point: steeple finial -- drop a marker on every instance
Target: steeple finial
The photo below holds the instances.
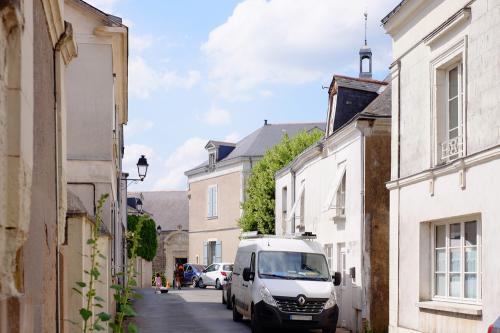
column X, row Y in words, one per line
column 366, row 19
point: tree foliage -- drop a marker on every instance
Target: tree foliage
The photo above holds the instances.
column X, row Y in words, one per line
column 148, row 241
column 258, row 208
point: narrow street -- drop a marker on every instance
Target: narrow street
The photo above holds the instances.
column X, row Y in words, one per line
column 188, row 310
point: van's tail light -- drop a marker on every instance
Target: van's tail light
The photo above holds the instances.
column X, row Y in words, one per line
column 490, row 329
column 223, row 273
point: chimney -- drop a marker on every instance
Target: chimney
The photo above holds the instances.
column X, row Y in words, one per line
column 265, row 122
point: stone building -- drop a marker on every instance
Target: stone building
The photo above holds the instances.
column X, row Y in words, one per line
column 336, row 190
column 169, row 209
column 217, row 189
column 37, row 132
column 37, row 45
column 444, row 186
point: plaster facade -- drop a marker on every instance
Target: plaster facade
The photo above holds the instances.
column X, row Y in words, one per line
column 224, row 227
column 427, row 190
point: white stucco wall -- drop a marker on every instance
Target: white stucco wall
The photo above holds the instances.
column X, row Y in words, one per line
column 425, row 193
column 319, row 174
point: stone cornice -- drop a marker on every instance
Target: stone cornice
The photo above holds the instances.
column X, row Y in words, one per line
column 478, row 158
column 119, row 38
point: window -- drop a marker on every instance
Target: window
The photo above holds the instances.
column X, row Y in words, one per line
column 211, row 160
column 284, row 204
column 328, row 248
column 448, row 86
column 212, row 201
column 456, row 271
column 340, row 204
column 452, row 146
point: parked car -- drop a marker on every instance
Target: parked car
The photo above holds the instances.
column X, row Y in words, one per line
column 290, row 284
column 226, row 291
column 192, row 273
column 495, row 327
column 214, row 275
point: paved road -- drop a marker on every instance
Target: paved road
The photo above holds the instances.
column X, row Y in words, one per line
column 186, row 311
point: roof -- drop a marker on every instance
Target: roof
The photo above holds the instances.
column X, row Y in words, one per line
column 220, row 143
column 258, row 142
column 111, row 19
column 283, row 244
column 393, row 12
column 358, row 83
column 169, row 209
column 380, row 106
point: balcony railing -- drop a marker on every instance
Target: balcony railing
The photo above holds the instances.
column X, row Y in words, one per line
column 452, row 149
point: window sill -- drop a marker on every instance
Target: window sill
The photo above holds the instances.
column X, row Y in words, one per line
column 338, row 219
column 460, row 308
column 212, row 217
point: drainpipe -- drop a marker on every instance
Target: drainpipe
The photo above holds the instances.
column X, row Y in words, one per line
column 56, row 59
column 292, row 189
column 364, row 281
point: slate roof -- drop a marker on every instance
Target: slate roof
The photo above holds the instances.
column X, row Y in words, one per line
column 380, row 106
column 169, row 209
column 358, row 83
column 258, row 142
column 393, row 12
column 220, row 143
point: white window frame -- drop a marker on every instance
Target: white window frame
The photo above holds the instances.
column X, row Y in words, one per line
column 212, row 208
column 439, row 70
column 340, row 196
column 461, row 299
column 328, row 249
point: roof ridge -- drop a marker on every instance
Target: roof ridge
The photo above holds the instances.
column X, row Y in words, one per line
column 360, row 79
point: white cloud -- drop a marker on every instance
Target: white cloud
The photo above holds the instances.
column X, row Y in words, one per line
column 140, row 43
column 188, row 155
column 106, row 6
column 292, row 42
column 216, row 116
column 136, row 126
column 232, row 137
column 143, row 79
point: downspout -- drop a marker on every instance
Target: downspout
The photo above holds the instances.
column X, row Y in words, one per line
column 364, row 281
column 292, row 189
column 55, row 71
column 399, row 176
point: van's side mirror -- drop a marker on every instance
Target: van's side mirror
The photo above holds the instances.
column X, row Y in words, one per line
column 337, row 278
column 247, row 274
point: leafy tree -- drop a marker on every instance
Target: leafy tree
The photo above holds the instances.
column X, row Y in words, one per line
column 258, row 208
column 148, row 241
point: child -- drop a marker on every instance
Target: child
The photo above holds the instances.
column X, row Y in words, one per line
column 158, row 283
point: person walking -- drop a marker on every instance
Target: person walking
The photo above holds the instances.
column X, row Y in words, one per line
column 158, row 283
column 179, row 275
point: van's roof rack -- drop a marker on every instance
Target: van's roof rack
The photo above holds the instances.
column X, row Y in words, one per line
column 257, row 235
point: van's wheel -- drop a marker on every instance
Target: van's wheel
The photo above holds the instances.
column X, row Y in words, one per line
column 218, row 285
column 201, row 284
column 236, row 315
column 194, row 283
column 256, row 326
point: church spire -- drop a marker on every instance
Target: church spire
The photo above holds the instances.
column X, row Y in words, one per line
column 365, row 56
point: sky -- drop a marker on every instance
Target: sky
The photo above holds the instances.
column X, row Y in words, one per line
column 215, row 69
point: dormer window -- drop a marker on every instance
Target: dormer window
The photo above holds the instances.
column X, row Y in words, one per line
column 211, row 160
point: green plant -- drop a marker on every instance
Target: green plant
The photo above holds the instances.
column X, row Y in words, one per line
column 149, row 242
column 258, row 208
column 124, row 292
column 93, row 301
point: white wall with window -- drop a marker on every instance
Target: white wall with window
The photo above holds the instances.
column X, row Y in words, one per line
column 212, row 201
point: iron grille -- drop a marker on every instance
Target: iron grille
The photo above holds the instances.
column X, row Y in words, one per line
column 290, row 305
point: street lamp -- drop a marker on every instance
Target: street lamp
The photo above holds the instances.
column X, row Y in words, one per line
column 158, row 229
column 138, row 205
column 142, row 167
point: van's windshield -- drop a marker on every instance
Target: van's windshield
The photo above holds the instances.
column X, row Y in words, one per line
column 292, row 266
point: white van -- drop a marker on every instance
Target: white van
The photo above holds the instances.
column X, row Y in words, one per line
column 284, row 282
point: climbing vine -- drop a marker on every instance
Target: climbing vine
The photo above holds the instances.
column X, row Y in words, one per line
column 93, row 322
